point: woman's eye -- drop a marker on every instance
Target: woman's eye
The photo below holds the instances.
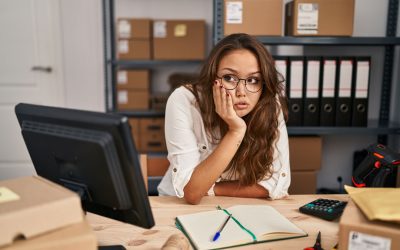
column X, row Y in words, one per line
column 252, row 80
column 229, row 78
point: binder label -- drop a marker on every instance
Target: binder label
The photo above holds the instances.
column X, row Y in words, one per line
column 328, row 83
column 312, row 89
column 346, row 68
column 362, row 79
column 296, row 79
column 307, row 19
column 234, row 12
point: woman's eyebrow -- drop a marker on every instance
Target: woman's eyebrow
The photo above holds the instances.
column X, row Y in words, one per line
column 234, row 71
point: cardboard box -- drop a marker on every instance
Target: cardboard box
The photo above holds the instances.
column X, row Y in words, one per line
column 179, row 39
column 254, row 17
column 135, row 130
column 74, row 237
column 159, row 101
column 30, row 206
column 303, row 182
column 128, row 99
column 357, row 232
column 152, row 137
column 133, row 28
column 320, row 18
column 305, row 153
column 134, row 49
column 157, row 165
column 133, row 79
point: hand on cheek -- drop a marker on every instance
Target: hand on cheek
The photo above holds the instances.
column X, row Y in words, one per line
column 224, row 108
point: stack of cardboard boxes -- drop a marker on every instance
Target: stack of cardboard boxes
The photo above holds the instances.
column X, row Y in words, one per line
column 305, row 161
column 134, row 39
column 133, row 87
column 148, row 134
column 38, row 214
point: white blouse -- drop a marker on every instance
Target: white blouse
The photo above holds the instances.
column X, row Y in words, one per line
column 188, row 145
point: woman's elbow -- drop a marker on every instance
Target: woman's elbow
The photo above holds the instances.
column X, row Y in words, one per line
column 192, row 198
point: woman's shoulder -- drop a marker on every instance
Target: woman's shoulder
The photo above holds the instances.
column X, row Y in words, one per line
column 182, row 93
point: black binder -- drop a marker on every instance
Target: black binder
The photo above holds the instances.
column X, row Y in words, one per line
column 328, row 105
column 361, row 91
column 311, row 91
column 295, row 91
column 344, row 92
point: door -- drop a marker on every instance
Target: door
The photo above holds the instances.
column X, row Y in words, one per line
column 30, row 72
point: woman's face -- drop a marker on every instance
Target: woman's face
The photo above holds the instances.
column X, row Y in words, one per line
column 241, row 64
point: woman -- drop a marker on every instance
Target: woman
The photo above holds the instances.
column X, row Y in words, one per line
column 226, row 133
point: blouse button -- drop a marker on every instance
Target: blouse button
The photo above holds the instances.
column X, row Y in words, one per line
column 204, row 147
column 174, row 169
column 283, row 174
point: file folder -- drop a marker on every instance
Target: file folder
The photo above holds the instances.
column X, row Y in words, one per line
column 295, row 91
column 361, row 92
column 344, row 92
column 327, row 107
column 281, row 66
column 311, row 91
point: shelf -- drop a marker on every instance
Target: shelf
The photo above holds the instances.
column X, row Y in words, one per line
column 153, row 63
column 329, row 41
column 372, row 129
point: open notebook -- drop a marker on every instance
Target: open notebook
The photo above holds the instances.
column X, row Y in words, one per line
column 249, row 224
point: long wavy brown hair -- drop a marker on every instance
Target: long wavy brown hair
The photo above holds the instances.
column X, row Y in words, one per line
column 253, row 160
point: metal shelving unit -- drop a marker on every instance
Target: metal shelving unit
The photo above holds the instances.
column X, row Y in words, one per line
column 381, row 127
column 111, row 63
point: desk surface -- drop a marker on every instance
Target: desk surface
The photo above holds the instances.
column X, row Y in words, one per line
column 165, row 209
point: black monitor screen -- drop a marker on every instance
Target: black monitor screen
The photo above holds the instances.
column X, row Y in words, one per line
column 91, row 153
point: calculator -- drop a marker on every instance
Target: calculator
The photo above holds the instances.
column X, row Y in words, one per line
column 324, row 208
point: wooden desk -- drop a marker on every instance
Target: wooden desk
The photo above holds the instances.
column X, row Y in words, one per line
column 165, row 209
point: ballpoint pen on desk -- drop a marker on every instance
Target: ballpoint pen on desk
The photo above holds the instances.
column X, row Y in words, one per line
column 317, row 245
column 217, row 234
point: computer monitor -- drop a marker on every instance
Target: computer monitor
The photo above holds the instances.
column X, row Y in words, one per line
column 91, row 153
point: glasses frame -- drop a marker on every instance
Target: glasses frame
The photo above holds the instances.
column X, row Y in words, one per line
column 237, row 83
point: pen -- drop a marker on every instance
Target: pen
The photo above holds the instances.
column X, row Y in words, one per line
column 217, row 234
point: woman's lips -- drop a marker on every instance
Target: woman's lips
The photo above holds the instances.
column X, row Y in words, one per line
column 241, row 105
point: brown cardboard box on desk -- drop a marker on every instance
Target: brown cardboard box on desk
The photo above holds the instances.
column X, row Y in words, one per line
column 357, row 232
column 38, row 214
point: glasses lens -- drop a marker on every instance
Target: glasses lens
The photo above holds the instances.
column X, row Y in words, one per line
column 253, row 84
column 229, row 81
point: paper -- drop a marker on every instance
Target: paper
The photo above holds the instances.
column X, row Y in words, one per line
column 377, row 203
column 234, row 12
column 307, row 19
column 6, row 195
column 180, row 30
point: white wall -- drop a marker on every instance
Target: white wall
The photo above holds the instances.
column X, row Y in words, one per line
column 82, row 31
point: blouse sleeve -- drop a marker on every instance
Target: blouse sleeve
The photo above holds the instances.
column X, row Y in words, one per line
column 279, row 182
column 181, row 141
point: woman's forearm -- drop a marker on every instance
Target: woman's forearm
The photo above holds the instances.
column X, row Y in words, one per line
column 232, row 188
column 209, row 170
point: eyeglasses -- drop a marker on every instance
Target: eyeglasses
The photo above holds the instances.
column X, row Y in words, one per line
column 230, row 82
